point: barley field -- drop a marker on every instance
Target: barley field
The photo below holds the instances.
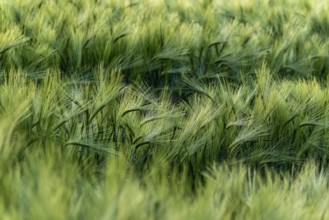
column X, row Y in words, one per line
column 164, row 109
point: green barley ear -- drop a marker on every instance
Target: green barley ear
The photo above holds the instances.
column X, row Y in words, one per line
column 15, row 114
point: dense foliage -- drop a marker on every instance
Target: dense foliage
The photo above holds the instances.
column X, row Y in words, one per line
column 164, row 109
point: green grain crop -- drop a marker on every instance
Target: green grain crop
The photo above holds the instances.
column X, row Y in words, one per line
column 164, row 109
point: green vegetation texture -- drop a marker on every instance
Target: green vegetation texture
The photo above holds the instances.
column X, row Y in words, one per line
column 164, row 109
